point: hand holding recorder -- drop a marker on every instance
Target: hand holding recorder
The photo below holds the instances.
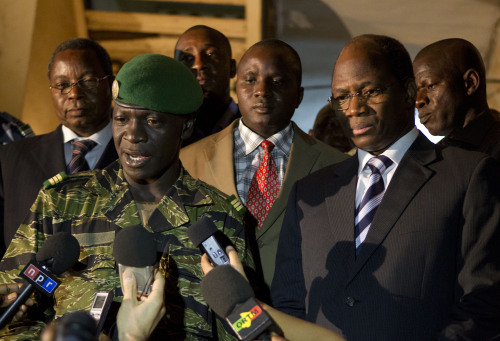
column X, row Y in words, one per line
column 235, row 290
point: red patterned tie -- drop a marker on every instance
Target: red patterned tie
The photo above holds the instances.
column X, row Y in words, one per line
column 264, row 187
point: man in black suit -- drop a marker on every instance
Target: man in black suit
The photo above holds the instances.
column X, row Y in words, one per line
column 420, row 262
column 207, row 52
column 80, row 75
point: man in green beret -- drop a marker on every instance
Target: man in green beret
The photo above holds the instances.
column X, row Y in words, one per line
column 155, row 98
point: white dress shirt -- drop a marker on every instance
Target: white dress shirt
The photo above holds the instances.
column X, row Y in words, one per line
column 395, row 152
column 102, row 138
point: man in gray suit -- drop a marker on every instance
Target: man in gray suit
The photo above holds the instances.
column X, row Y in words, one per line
column 80, row 76
column 399, row 242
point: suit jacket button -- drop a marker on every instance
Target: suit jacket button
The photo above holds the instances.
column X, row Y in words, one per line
column 260, row 243
column 350, row 301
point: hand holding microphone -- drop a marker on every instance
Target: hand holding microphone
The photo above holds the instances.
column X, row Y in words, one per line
column 59, row 253
column 8, row 294
column 135, row 248
column 230, row 296
column 136, row 320
column 229, row 288
column 205, row 235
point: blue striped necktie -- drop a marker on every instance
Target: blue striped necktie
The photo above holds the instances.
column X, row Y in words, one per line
column 80, row 149
column 372, row 198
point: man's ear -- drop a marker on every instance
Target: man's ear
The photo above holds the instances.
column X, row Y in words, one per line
column 232, row 70
column 188, row 127
column 471, row 81
column 411, row 91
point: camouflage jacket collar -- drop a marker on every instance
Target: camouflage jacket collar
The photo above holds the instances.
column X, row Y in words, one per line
column 171, row 212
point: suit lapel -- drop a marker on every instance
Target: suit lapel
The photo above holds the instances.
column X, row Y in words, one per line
column 410, row 176
column 50, row 154
column 219, row 156
column 302, row 159
column 340, row 202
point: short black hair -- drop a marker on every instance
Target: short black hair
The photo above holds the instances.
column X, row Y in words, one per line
column 84, row 44
column 279, row 44
column 459, row 55
column 219, row 34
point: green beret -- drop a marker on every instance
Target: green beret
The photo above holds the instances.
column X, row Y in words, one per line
column 157, row 82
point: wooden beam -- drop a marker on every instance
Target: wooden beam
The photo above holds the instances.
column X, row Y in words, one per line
column 80, row 23
column 253, row 17
column 161, row 23
column 206, row 2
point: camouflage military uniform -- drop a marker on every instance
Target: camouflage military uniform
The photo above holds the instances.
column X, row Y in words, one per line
column 92, row 206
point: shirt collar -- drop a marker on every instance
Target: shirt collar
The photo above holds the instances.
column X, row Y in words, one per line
column 395, row 152
column 102, row 137
column 282, row 139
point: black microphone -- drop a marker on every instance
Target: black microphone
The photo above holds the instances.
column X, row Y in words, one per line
column 205, row 235
column 135, row 248
column 230, row 296
column 76, row 326
column 59, row 253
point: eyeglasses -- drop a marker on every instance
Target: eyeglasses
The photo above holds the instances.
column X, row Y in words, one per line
column 84, row 83
column 368, row 96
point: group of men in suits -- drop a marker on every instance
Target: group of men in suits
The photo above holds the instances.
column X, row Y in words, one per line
column 399, row 242
column 396, row 242
column 269, row 89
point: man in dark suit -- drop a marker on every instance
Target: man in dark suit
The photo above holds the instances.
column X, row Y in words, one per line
column 420, row 262
column 80, row 75
column 451, row 98
column 207, row 52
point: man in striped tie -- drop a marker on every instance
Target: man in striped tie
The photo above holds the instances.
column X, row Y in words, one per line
column 80, row 74
column 399, row 242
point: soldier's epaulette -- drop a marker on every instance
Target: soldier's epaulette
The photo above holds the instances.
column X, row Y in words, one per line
column 26, row 130
column 55, row 180
column 236, row 204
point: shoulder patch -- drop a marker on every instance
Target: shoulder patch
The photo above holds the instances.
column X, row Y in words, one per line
column 26, row 130
column 236, row 204
column 55, row 179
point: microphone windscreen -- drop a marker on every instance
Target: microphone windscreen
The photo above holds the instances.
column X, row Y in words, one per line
column 201, row 230
column 223, row 288
column 78, row 325
column 63, row 248
column 134, row 246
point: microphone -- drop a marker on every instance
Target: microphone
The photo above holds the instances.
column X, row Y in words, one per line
column 59, row 253
column 231, row 297
column 135, row 248
column 76, row 326
column 205, row 235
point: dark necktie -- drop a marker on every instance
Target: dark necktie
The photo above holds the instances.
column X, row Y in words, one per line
column 371, row 199
column 264, row 187
column 80, row 149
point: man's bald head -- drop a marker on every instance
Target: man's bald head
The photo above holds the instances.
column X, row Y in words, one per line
column 456, row 56
column 212, row 32
column 388, row 51
column 451, row 81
